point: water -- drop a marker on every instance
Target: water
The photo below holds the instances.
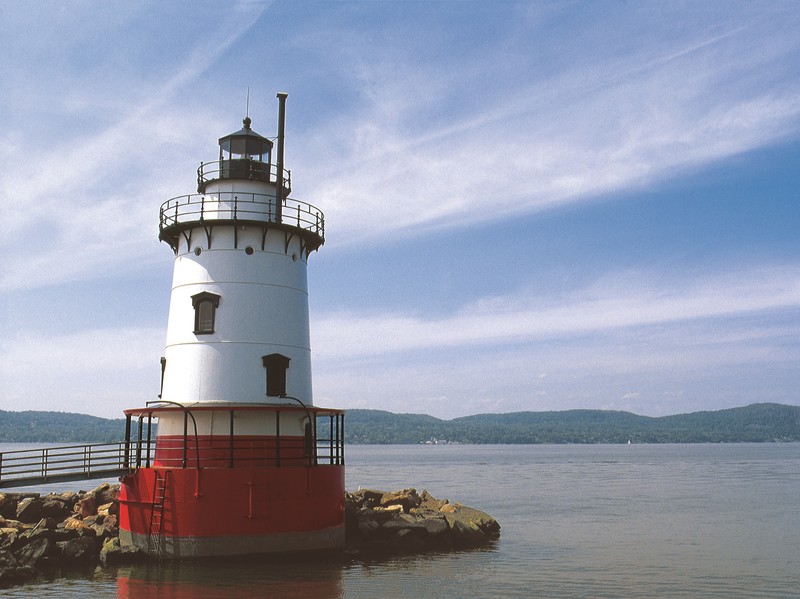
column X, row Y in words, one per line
column 578, row 521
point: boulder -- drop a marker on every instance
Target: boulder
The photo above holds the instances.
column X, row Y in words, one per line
column 436, row 525
column 10, row 501
column 7, row 507
column 105, row 493
column 403, row 521
column 80, row 549
column 8, row 538
column 407, row 498
column 112, row 553
column 55, row 507
column 38, row 552
column 367, row 497
column 105, row 528
column 429, row 502
column 469, row 521
column 29, row 510
column 87, row 506
column 12, row 571
column 70, row 498
column 406, row 521
column 78, row 527
column 110, row 508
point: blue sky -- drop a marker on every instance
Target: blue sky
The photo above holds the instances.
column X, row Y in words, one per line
column 529, row 205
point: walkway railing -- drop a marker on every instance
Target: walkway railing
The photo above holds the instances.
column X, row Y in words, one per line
column 254, row 170
column 323, row 446
column 62, row 464
column 189, row 210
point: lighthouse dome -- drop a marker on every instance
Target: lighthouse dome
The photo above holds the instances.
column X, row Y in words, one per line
column 245, row 144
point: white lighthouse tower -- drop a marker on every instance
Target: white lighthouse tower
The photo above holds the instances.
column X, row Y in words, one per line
column 238, row 321
column 237, row 429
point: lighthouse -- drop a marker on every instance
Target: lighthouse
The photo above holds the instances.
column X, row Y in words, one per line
column 233, row 457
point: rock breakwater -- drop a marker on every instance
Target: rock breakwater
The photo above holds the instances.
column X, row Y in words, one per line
column 75, row 530
column 407, row 521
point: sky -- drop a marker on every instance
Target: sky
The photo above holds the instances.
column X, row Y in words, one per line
column 529, row 205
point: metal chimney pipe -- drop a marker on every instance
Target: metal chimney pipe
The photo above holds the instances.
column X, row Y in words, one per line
column 281, row 131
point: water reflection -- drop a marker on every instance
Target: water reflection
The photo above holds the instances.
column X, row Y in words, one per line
column 234, row 578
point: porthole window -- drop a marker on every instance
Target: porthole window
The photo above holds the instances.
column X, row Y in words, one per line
column 205, row 306
column 248, row 250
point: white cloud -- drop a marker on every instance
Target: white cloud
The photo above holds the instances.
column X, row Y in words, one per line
column 611, row 303
column 673, row 367
column 97, row 372
column 90, row 197
column 604, row 124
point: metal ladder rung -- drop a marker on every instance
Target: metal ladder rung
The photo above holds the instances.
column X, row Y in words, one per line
column 154, row 544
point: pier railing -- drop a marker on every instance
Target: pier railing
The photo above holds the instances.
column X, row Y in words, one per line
column 25, row 467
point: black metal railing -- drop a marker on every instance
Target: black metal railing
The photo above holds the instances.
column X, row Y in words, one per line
column 322, row 444
column 189, row 210
column 243, row 169
column 65, row 463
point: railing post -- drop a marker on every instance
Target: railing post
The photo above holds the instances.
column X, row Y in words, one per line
column 330, row 457
column 314, row 444
column 44, row 464
column 149, row 429
column 185, row 437
column 230, row 464
column 127, row 454
column 139, row 442
column 278, row 438
column 87, row 450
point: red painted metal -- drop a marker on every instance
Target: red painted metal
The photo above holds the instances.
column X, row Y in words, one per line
column 239, row 501
column 235, row 494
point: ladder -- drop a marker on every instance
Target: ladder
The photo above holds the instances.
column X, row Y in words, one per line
column 155, row 546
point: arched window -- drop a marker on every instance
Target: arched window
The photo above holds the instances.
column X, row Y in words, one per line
column 276, row 366
column 205, row 306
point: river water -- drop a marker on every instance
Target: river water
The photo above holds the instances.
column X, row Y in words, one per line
column 578, row 521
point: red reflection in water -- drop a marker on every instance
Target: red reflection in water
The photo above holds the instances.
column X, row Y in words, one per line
column 230, row 581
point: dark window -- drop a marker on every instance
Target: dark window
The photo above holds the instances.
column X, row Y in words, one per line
column 205, row 307
column 276, row 366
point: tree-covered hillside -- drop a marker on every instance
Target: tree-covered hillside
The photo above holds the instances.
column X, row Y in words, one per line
column 58, row 427
column 755, row 423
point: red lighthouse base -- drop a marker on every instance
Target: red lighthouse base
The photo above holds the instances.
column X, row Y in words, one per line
column 229, row 495
column 233, row 511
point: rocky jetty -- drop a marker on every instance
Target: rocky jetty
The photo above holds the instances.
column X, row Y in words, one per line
column 407, row 521
column 57, row 531
column 79, row 530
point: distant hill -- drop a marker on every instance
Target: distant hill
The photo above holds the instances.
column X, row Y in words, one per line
column 58, row 427
column 765, row 422
column 755, row 423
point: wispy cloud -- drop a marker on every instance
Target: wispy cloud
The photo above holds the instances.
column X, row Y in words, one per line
column 611, row 303
column 90, row 196
column 98, row 371
column 602, row 125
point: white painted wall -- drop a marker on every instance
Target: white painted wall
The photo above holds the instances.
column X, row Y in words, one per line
column 263, row 309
